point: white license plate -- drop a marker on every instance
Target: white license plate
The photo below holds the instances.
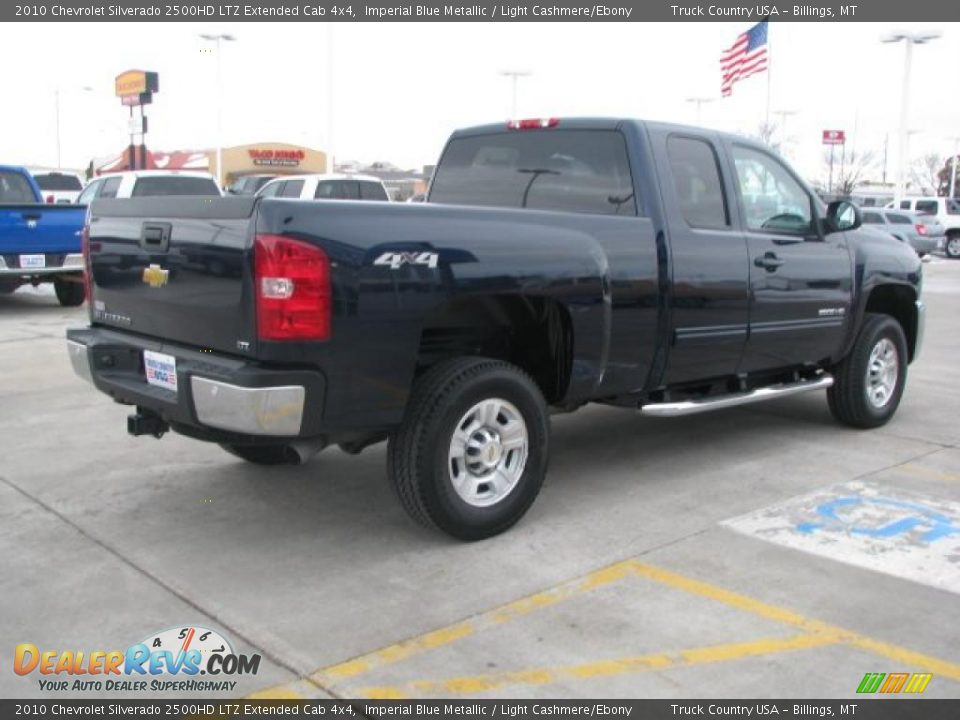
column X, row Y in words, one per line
column 33, row 261
column 161, row 369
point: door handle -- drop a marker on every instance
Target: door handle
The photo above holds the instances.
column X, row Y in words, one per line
column 768, row 261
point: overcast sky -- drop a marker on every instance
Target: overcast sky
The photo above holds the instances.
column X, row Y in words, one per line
column 400, row 88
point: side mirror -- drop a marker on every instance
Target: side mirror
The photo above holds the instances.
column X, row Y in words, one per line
column 843, row 215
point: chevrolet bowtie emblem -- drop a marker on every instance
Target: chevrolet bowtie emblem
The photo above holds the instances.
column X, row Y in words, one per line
column 156, row 276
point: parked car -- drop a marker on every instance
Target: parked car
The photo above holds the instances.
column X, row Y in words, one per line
column 923, row 233
column 946, row 210
column 39, row 243
column 59, row 187
column 555, row 263
column 150, row 183
column 326, row 187
column 249, row 184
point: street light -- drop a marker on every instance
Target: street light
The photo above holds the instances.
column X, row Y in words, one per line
column 515, row 75
column 56, row 95
column 218, row 38
column 909, row 40
column 699, row 101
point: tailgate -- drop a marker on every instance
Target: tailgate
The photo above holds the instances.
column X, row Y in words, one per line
column 175, row 268
column 39, row 228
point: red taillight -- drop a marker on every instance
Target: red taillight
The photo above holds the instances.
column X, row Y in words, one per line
column 87, row 266
column 532, row 123
column 292, row 289
column 921, row 229
column 50, row 200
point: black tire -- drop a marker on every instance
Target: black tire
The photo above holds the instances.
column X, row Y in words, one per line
column 69, row 294
column 260, row 454
column 951, row 247
column 848, row 398
column 418, row 453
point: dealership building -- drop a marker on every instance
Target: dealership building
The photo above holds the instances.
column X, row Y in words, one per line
column 257, row 158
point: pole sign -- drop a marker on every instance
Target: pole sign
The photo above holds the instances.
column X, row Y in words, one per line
column 834, row 137
column 136, row 87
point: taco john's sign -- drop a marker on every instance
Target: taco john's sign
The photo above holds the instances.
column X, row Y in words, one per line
column 276, row 157
column 136, row 87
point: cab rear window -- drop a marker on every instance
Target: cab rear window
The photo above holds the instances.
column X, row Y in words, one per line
column 14, row 188
column 56, row 182
column 580, row 171
column 154, row 186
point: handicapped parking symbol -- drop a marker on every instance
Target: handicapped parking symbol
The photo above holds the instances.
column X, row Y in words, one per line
column 936, row 525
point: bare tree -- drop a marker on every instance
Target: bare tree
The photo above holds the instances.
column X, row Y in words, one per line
column 850, row 168
column 925, row 173
column 769, row 134
column 944, row 176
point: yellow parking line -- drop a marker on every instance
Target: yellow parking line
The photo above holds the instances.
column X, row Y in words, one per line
column 444, row 636
column 475, row 684
column 897, row 653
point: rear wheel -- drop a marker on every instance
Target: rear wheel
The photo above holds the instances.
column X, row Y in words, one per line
column 471, row 454
column 261, row 454
column 868, row 384
column 70, row 294
column 952, row 246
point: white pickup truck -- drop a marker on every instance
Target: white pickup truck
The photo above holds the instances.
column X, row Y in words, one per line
column 946, row 210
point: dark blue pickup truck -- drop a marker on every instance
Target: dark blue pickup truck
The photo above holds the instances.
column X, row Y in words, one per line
column 667, row 269
column 38, row 242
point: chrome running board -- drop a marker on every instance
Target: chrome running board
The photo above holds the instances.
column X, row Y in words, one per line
column 691, row 407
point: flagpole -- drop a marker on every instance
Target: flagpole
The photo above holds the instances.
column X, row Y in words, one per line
column 769, row 74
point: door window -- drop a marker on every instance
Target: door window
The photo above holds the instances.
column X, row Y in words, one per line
column 696, row 182
column 292, row 189
column 271, row 189
column 927, row 206
column 773, row 200
column 872, row 218
column 327, row 190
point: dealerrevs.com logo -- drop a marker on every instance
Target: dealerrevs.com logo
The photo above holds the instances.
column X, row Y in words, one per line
column 168, row 661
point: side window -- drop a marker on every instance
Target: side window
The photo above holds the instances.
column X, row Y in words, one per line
column 927, row 206
column 271, row 190
column 904, row 204
column 696, row 182
column 326, row 190
column 873, row 218
column 89, row 193
column 110, row 187
column 773, row 200
column 899, row 219
column 292, row 189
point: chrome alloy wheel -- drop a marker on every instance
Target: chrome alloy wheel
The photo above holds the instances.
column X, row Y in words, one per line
column 953, row 246
column 883, row 371
column 488, row 452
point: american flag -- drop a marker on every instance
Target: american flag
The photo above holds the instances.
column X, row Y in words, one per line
column 747, row 56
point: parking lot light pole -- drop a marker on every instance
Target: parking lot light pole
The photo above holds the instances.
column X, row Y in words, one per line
column 699, row 102
column 514, row 76
column 56, row 97
column 909, row 40
column 218, row 38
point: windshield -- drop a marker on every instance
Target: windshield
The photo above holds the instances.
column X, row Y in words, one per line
column 14, row 188
column 57, row 181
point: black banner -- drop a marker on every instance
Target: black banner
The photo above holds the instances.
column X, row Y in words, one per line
column 517, row 11
column 856, row 709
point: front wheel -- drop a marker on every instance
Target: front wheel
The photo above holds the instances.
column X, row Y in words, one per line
column 868, row 383
column 952, row 246
column 471, row 454
column 69, row 294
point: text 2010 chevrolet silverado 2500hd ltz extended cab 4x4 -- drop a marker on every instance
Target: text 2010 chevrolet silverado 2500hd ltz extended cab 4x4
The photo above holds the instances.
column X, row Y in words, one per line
column 657, row 267
column 38, row 242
